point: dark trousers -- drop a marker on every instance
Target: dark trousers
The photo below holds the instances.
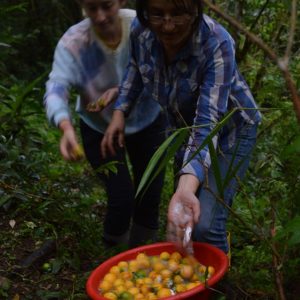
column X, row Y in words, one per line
column 120, row 187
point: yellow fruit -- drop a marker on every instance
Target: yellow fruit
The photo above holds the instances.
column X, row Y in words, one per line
column 176, row 256
column 145, row 289
column 101, row 103
column 211, row 270
column 110, row 296
column 165, row 273
column 141, row 256
column 123, row 266
column 191, row 285
column 139, row 282
column 164, row 292
column 180, row 288
column 173, row 265
column 118, row 282
column 178, row 279
column 186, row 271
column 128, row 284
column 152, row 275
column 158, row 266
column 195, row 277
column 143, row 263
column 148, row 281
column 202, row 269
column 115, row 270
column 120, row 289
column 154, row 259
column 151, row 296
column 78, row 152
column 164, row 255
column 134, row 291
column 105, row 286
column 126, row 275
column 133, row 266
column 110, row 277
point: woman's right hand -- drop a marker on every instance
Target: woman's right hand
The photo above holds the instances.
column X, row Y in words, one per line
column 70, row 149
column 114, row 134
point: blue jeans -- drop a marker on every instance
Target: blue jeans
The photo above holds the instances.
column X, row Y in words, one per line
column 122, row 207
column 211, row 227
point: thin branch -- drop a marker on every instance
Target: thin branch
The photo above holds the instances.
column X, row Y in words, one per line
column 237, row 216
column 259, row 15
column 247, row 42
column 292, row 32
column 276, row 261
column 270, row 53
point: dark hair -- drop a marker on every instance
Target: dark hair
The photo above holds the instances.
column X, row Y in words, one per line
column 141, row 9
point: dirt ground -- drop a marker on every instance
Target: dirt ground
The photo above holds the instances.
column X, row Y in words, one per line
column 24, row 273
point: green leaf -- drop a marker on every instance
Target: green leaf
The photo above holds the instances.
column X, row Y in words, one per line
column 216, row 168
column 28, row 89
column 162, row 155
column 294, row 147
column 292, row 230
column 167, row 150
column 4, row 199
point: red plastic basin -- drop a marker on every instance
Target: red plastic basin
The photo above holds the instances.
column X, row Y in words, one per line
column 206, row 254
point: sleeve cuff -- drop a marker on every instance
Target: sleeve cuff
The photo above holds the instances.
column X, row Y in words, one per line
column 195, row 168
column 60, row 116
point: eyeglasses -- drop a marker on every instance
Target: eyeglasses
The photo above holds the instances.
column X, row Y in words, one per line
column 176, row 20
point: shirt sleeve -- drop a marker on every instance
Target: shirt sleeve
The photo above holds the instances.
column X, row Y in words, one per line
column 211, row 106
column 132, row 83
column 63, row 76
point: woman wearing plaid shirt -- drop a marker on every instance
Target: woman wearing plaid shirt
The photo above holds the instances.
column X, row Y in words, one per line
column 186, row 61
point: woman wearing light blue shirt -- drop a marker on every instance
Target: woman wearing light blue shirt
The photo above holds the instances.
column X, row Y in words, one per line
column 186, row 61
column 91, row 57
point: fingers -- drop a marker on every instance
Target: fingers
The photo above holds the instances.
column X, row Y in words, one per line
column 196, row 211
column 106, row 147
column 121, row 139
column 69, row 147
column 64, row 152
column 175, row 234
column 108, row 144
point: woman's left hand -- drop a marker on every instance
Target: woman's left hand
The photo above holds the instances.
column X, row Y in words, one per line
column 114, row 135
column 184, row 210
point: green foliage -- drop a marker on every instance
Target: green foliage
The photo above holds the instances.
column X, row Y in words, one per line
column 48, row 198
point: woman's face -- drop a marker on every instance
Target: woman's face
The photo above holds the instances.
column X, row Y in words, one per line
column 172, row 24
column 103, row 14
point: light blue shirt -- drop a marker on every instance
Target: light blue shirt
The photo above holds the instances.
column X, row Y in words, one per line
column 83, row 62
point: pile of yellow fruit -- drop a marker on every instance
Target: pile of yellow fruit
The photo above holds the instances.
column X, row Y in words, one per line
column 153, row 277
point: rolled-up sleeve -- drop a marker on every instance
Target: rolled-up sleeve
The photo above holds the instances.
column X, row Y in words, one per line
column 62, row 77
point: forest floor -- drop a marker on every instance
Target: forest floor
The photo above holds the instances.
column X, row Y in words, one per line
column 25, row 271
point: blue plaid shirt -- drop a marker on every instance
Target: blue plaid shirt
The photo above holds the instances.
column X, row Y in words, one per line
column 199, row 87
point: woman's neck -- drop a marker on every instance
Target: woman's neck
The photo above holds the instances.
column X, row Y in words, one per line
column 113, row 38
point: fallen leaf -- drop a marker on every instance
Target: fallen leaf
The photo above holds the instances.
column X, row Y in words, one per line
column 12, row 223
